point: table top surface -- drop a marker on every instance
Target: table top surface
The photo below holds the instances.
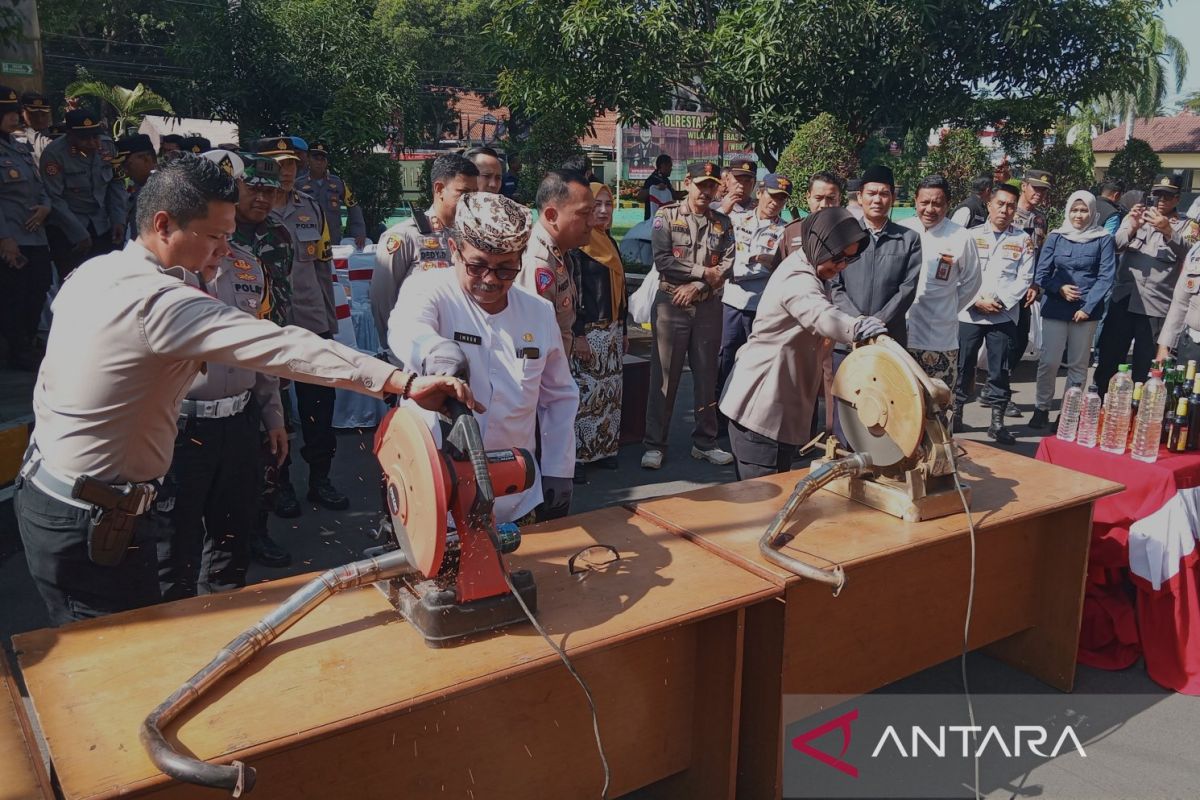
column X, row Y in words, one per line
column 20, row 777
column 352, row 659
column 829, row 529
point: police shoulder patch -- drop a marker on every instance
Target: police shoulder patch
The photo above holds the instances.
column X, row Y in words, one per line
column 658, row 223
column 53, row 168
column 393, row 244
column 543, row 279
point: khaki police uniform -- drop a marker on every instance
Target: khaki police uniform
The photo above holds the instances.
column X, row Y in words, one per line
column 412, row 247
column 333, row 196
column 210, row 493
column 684, row 245
column 86, row 197
column 130, row 337
column 546, row 272
column 1181, row 328
column 22, row 291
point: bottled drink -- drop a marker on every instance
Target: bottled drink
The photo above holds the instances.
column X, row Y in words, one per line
column 1068, row 420
column 1114, row 433
column 1194, row 416
column 1089, row 419
column 1147, row 430
column 1133, row 412
column 1178, row 433
column 1191, row 372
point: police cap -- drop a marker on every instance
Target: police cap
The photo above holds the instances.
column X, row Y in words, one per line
column 84, row 121
column 195, row 145
column 133, row 143
column 777, row 185
column 743, row 167
column 8, row 100
column 1037, row 178
column 700, row 171
column 34, row 101
column 279, row 148
column 1165, row 184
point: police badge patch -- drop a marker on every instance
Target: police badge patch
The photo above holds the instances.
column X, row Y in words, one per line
column 543, row 279
column 393, row 244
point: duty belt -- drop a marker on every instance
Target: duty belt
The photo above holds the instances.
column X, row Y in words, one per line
column 35, row 471
column 215, row 409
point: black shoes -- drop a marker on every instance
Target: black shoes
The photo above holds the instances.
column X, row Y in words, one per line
column 1040, row 419
column 322, row 493
column 580, row 477
column 956, row 423
column 286, row 504
column 997, row 431
column 609, row 463
column 265, row 551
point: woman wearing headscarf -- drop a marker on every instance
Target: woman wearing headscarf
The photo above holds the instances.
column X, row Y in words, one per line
column 600, row 327
column 1076, row 269
column 776, row 378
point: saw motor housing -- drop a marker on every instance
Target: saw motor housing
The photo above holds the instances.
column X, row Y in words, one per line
column 459, row 584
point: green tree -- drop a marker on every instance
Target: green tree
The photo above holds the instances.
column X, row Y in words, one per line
column 1164, row 63
column 821, row 144
column 129, row 105
column 1191, row 102
column 551, row 140
column 959, row 158
column 378, row 183
column 1136, row 164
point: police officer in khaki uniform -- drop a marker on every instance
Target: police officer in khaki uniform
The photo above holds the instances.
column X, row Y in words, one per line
column 1180, row 333
column 131, row 334
column 419, row 245
column 565, row 202
column 135, row 160
column 37, row 116
column 333, row 195
column 24, row 254
column 86, row 197
column 693, row 249
column 313, row 310
column 739, row 179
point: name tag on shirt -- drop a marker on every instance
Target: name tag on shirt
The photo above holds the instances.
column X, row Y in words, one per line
column 943, row 269
column 529, row 352
column 467, row 338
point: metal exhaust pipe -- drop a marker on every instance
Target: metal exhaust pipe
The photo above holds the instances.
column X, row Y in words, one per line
column 768, row 545
column 237, row 777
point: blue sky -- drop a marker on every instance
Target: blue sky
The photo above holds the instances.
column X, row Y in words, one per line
column 1183, row 22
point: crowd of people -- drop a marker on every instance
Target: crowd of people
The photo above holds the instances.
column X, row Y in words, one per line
column 197, row 281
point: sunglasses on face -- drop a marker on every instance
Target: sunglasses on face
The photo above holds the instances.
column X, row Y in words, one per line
column 481, row 270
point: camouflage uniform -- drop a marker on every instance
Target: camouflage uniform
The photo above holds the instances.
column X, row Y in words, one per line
column 272, row 245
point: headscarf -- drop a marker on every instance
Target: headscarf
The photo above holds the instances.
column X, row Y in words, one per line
column 601, row 249
column 828, row 233
column 1090, row 230
column 493, row 223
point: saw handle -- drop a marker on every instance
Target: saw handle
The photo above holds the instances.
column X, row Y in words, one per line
column 465, row 435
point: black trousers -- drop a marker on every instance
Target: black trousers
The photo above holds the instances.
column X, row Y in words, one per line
column 999, row 340
column 215, row 477
column 755, row 455
column 1020, row 338
column 315, row 405
column 66, row 259
column 22, row 296
column 71, row 585
column 1123, row 327
column 735, row 330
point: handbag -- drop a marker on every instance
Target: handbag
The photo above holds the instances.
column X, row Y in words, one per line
column 641, row 302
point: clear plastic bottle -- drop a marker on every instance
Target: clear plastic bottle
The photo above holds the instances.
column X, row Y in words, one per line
column 1114, row 434
column 1147, row 431
column 1068, row 420
column 1089, row 419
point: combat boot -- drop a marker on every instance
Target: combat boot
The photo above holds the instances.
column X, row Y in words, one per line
column 997, row 430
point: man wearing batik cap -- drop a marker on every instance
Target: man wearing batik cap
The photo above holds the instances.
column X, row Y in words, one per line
column 87, row 198
column 212, row 487
column 472, row 322
column 135, row 159
column 739, row 180
column 333, row 195
column 758, row 233
column 693, row 248
column 312, row 309
column 35, row 112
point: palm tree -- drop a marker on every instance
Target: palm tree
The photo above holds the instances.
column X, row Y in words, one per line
column 1166, row 57
column 130, row 104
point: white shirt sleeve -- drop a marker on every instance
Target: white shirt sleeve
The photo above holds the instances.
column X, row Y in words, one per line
column 412, row 327
column 971, row 276
column 962, row 216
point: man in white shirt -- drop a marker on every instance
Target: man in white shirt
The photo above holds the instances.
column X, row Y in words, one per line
column 472, row 321
column 1006, row 261
column 949, row 279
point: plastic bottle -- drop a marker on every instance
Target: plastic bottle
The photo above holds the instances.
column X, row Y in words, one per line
column 1068, row 420
column 1089, row 419
column 1114, row 434
column 1147, row 432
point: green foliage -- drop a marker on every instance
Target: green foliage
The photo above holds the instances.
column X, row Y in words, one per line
column 130, row 105
column 907, row 166
column 959, row 158
column 377, row 183
column 552, row 139
column 425, row 185
column 1136, row 164
column 1071, row 166
column 822, row 143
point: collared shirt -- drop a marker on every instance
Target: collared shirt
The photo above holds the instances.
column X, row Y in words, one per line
column 546, row 272
column 1184, row 313
column 332, row 195
column 83, row 189
column 685, row 244
column 271, row 244
column 1148, row 265
column 756, row 241
column 240, row 283
column 950, row 277
column 519, row 371
column 20, row 189
column 129, row 338
column 404, row 251
column 882, row 283
column 1006, row 261
column 1033, row 222
column 312, row 264
column 36, row 140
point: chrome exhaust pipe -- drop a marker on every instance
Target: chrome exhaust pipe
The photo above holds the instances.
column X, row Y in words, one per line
column 768, row 545
column 237, row 777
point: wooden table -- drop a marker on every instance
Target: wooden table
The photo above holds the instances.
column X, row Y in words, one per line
column 904, row 602
column 22, row 774
column 351, row 703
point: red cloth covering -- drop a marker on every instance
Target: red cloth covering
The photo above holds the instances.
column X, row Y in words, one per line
column 1108, row 638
